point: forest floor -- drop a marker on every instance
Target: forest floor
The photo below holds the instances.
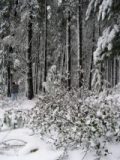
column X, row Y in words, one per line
column 22, row 144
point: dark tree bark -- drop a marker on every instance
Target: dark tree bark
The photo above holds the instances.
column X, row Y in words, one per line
column 112, row 71
column 62, row 62
column 117, row 72
column 8, row 79
column 30, row 93
column 37, row 66
column 10, row 50
column 41, row 79
column 102, row 70
column 93, row 48
column 68, row 50
column 101, row 65
column 45, row 49
column 80, row 67
column 109, row 71
column 106, row 66
column 41, row 69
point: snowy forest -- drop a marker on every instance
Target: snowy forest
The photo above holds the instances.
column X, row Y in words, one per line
column 59, row 79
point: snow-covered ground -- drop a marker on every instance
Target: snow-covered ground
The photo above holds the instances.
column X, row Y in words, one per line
column 114, row 154
column 21, row 103
column 22, row 144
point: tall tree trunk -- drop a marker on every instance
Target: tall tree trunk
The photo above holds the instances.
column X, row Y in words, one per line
column 106, row 71
column 117, row 71
column 8, row 79
column 109, row 71
column 101, row 65
column 62, row 66
column 112, row 71
column 45, row 46
column 93, row 48
column 62, row 61
column 36, row 74
column 80, row 67
column 68, row 49
column 41, row 68
column 102, row 76
column 10, row 50
column 37, row 66
column 41, row 78
column 30, row 93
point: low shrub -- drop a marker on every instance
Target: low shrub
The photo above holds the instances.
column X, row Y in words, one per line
column 72, row 122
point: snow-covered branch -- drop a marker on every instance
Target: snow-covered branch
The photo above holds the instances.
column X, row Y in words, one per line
column 104, row 8
column 105, row 42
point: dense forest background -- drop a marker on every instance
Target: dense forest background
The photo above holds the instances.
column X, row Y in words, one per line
column 65, row 57
column 71, row 44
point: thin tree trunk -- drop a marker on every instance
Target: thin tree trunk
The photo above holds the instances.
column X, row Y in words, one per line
column 93, row 48
column 37, row 66
column 63, row 62
column 110, row 65
column 101, row 65
column 102, row 76
column 10, row 50
column 112, row 71
column 116, row 70
column 109, row 71
column 80, row 67
column 45, row 49
column 62, row 66
column 8, row 79
column 41, row 69
column 36, row 75
column 33, row 75
column 41, row 79
column 68, row 48
column 106, row 71
column 30, row 93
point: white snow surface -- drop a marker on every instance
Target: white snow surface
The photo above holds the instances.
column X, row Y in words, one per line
column 86, row 155
column 21, row 103
column 22, row 144
column 30, row 143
